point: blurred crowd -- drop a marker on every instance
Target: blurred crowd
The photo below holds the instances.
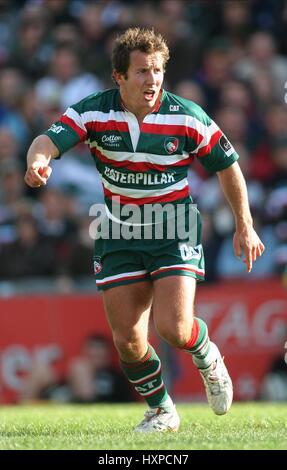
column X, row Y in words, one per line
column 90, row 377
column 230, row 57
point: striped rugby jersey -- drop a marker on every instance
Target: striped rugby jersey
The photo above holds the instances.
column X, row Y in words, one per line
column 146, row 164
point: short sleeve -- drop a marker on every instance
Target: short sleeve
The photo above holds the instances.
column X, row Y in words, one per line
column 68, row 131
column 214, row 151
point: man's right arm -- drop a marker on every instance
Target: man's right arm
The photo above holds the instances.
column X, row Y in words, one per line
column 39, row 155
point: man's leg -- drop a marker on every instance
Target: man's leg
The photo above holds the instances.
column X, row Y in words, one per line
column 128, row 310
column 174, row 319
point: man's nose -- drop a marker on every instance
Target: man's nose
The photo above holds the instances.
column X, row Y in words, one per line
column 151, row 77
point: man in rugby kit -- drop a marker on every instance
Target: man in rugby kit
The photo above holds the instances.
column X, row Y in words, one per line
column 143, row 140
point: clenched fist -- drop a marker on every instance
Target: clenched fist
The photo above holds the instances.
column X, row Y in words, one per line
column 37, row 175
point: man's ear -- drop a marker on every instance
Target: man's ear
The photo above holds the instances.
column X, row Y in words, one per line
column 117, row 77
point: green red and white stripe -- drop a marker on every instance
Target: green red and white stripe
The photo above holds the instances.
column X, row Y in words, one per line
column 136, row 276
column 145, row 375
column 176, row 267
column 121, row 278
column 167, row 141
column 199, row 344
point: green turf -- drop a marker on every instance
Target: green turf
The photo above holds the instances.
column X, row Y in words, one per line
column 247, row 426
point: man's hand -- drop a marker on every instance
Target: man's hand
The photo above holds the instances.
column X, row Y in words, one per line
column 37, row 175
column 247, row 242
column 39, row 155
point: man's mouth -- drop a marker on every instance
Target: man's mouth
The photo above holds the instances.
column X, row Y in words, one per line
column 149, row 94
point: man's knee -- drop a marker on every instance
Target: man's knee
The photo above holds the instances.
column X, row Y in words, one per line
column 129, row 346
column 176, row 335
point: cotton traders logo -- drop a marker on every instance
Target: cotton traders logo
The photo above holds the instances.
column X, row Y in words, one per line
column 97, row 265
column 171, row 144
column 111, row 140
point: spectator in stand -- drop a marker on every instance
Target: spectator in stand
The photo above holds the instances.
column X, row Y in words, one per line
column 13, row 89
column 59, row 11
column 274, row 386
column 263, row 166
column 29, row 256
column 276, row 214
column 232, row 120
column 263, row 57
column 279, row 157
column 171, row 20
column 236, row 21
column 9, row 150
column 11, row 185
column 190, row 90
column 215, row 71
column 91, row 377
column 67, row 81
column 262, row 92
column 79, row 261
column 30, row 50
column 236, row 93
column 52, row 217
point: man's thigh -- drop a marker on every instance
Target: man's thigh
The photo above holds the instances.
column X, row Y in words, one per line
column 173, row 302
column 128, row 307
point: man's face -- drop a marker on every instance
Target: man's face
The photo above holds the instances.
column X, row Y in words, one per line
column 141, row 86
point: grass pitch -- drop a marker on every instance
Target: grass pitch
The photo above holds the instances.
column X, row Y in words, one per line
column 107, row 427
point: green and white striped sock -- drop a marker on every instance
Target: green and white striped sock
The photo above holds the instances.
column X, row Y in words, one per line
column 145, row 375
column 199, row 345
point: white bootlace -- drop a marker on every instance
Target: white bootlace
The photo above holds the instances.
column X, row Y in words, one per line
column 151, row 414
column 215, row 382
column 152, row 419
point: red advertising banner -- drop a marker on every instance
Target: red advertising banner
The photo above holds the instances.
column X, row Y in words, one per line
column 247, row 320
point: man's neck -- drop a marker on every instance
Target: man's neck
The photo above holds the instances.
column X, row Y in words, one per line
column 141, row 114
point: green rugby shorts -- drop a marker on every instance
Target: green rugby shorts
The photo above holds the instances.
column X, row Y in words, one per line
column 122, row 261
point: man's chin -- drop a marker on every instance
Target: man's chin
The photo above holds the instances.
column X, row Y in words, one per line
column 150, row 103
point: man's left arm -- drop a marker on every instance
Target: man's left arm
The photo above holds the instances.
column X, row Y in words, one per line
column 245, row 240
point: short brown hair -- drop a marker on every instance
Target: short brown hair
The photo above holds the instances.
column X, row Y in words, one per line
column 145, row 40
